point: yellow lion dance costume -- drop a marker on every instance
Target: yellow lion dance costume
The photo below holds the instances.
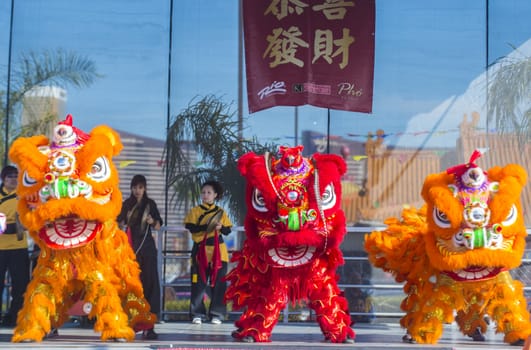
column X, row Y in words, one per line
column 456, row 252
column 69, row 200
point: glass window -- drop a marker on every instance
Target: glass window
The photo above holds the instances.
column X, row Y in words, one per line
column 449, row 77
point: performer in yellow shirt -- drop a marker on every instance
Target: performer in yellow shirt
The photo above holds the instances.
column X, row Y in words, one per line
column 207, row 223
column 14, row 256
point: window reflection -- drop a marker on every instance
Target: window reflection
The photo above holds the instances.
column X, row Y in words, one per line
column 434, row 100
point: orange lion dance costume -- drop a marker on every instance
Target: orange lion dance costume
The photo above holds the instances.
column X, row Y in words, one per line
column 69, row 200
column 456, row 252
column 294, row 226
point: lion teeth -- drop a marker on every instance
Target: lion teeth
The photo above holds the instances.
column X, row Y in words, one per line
column 475, row 275
column 287, row 257
column 70, row 233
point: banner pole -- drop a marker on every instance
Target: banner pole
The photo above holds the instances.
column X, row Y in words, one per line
column 240, row 71
column 8, row 91
column 296, row 117
column 328, row 132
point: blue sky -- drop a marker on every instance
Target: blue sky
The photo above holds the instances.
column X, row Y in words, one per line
column 426, row 51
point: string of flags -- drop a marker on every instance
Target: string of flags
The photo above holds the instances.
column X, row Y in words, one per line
column 125, row 163
column 357, row 158
column 387, row 135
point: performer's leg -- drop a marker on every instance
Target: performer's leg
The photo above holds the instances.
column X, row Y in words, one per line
column 18, row 266
column 511, row 318
column 331, row 309
column 218, row 309
column 39, row 306
column 472, row 322
column 112, row 321
column 197, row 306
column 3, row 269
column 263, row 309
column 149, row 275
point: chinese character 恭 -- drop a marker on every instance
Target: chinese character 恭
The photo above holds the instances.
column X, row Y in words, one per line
column 281, row 8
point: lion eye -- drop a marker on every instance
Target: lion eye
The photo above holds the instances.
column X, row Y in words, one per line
column 258, row 201
column 511, row 218
column 100, row 170
column 459, row 239
column 440, row 218
column 328, row 199
column 27, row 180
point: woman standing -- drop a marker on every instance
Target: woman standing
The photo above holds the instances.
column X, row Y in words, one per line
column 139, row 216
column 206, row 222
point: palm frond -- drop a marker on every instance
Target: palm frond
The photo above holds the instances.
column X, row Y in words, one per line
column 207, row 128
column 53, row 67
column 48, row 68
column 509, row 97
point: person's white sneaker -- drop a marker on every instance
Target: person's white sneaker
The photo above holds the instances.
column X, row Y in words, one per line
column 215, row 320
column 196, row 320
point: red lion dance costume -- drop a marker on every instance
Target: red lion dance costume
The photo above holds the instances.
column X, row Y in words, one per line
column 294, row 226
column 69, row 200
column 456, row 252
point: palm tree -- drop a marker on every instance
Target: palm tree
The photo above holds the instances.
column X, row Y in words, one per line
column 48, row 68
column 207, row 128
column 509, row 91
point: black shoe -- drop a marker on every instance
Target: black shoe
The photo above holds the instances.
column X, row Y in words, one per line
column 519, row 342
column 54, row 332
column 407, row 338
column 149, row 334
column 477, row 335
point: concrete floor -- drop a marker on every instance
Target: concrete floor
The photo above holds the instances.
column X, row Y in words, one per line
column 180, row 335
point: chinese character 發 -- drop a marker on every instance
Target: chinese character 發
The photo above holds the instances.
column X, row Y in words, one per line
column 283, row 45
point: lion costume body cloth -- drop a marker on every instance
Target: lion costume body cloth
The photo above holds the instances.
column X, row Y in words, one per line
column 455, row 253
column 69, row 200
column 293, row 227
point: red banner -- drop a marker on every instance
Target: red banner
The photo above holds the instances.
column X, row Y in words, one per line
column 317, row 52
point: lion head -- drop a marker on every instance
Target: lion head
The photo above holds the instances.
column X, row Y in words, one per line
column 475, row 219
column 294, row 204
column 68, row 187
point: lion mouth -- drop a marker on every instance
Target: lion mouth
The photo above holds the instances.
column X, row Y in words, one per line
column 472, row 274
column 291, row 257
column 69, row 232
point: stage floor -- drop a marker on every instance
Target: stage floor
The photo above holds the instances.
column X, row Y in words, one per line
column 180, row 335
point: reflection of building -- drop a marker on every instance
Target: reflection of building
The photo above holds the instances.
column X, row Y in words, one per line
column 395, row 177
column 143, row 155
column 502, row 150
column 352, row 151
column 42, row 107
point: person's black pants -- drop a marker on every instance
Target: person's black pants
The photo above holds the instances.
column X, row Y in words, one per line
column 217, row 293
column 16, row 262
column 149, row 274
